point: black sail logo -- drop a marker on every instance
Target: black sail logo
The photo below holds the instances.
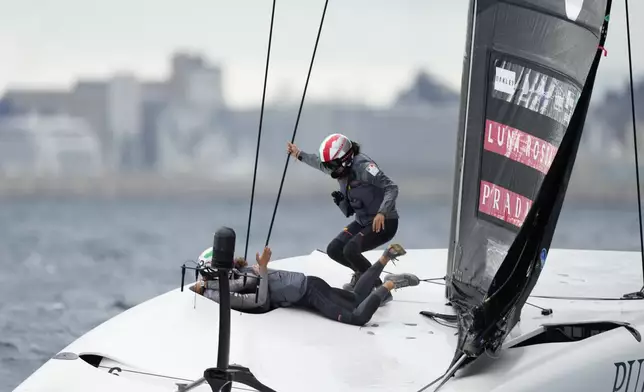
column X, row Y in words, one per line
column 628, row 376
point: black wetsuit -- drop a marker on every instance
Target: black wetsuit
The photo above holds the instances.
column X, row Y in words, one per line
column 281, row 288
column 367, row 191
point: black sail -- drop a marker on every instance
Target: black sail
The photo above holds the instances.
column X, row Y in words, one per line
column 528, row 77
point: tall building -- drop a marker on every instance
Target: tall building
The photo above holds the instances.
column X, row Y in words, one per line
column 88, row 100
column 196, row 82
column 189, row 135
column 125, row 122
column 204, row 89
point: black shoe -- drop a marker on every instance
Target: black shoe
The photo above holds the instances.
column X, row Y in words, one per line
column 354, row 279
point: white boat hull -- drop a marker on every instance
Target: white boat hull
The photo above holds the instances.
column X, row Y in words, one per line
column 167, row 340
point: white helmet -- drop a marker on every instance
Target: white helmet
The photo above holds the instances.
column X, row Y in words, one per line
column 205, row 258
column 335, row 147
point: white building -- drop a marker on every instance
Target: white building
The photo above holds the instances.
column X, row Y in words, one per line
column 48, row 145
column 181, row 130
column 189, row 139
column 204, row 89
column 196, row 82
column 124, row 121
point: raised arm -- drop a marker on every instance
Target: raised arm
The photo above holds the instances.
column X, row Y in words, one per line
column 310, row 159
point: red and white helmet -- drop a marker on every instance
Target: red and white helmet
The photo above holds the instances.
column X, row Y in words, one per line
column 335, row 147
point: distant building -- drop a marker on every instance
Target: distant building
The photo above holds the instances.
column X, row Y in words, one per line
column 6, row 108
column 38, row 101
column 426, row 90
column 124, row 122
column 88, row 100
column 48, row 145
column 149, row 135
column 195, row 82
column 182, row 133
column 124, row 112
column 187, row 131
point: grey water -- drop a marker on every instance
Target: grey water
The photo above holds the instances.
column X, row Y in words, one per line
column 66, row 265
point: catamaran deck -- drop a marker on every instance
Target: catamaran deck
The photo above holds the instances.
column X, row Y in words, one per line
column 167, row 340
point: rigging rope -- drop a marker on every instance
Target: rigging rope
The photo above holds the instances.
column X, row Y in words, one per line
column 119, row 370
column 297, row 121
column 259, row 132
column 637, row 169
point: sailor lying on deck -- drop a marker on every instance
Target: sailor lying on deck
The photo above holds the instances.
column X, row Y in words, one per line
column 279, row 288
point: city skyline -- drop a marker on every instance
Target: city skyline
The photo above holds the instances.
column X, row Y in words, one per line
column 357, row 59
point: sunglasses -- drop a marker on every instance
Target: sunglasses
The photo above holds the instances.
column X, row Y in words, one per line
column 338, row 163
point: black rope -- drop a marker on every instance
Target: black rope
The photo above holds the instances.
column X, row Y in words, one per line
column 259, row 132
column 637, row 166
column 434, row 281
column 297, row 121
column 119, row 370
column 544, row 311
column 446, row 320
column 433, row 382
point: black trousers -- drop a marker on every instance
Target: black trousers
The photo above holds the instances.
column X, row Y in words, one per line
column 347, row 247
column 355, row 308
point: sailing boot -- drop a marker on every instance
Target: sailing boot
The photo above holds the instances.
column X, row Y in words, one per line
column 392, row 252
column 354, row 279
column 402, row 280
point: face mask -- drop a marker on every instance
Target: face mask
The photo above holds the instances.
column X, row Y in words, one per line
column 340, row 172
column 338, row 168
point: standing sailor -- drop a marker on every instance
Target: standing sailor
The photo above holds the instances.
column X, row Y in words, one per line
column 365, row 191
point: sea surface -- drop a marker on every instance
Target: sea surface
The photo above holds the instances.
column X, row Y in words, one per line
column 69, row 264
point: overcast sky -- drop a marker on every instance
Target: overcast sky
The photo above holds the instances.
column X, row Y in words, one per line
column 369, row 48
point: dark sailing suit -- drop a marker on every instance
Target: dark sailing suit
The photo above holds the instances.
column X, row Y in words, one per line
column 366, row 192
column 280, row 289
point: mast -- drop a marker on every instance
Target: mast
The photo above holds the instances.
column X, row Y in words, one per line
column 460, row 144
column 530, row 75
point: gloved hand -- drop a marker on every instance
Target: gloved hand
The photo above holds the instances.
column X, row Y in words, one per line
column 343, row 203
column 337, row 197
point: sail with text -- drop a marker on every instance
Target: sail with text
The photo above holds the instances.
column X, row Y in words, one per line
column 528, row 76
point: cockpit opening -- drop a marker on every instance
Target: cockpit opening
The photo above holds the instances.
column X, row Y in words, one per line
column 573, row 332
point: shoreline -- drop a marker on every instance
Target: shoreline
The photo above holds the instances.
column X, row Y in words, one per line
column 153, row 186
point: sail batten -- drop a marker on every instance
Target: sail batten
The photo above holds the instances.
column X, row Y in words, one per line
column 530, row 74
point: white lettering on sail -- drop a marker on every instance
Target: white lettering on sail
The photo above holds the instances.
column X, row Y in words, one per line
column 486, row 194
column 504, row 80
column 573, row 8
column 535, row 91
column 500, row 135
column 518, row 146
column 515, row 207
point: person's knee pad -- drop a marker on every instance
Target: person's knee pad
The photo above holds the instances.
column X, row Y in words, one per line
column 335, row 250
